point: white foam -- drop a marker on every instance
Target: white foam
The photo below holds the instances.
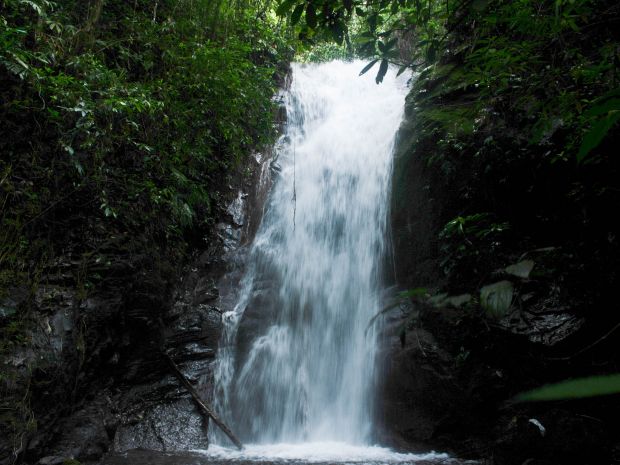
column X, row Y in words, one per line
column 313, row 452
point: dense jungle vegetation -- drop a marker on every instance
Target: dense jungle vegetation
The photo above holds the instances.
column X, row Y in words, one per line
column 125, row 116
column 122, row 121
column 513, row 114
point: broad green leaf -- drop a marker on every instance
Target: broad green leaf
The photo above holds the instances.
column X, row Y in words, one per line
column 574, row 389
column 37, row 8
column 605, row 103
column 368, row 66
column 596, row 134
column 603, row 107
column 284, row 7
column 431, row 53
column 372, row 22
column 521, row 269
column 20, row 61
column 496, row 298
column 338, row 32
column 383, row 67
column 311, row 16
column 402, row 70
column 299, row 9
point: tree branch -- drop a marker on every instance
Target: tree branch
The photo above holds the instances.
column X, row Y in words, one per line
column 199, row 402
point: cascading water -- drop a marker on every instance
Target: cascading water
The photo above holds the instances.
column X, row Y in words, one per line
column 297, row 360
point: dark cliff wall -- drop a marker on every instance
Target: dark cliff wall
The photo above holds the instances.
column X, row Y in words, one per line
column 465, row 207
column 100, row 382
column 420, row 205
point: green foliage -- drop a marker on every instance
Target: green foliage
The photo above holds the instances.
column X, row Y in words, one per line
column 121, row 124
column 592, row 386
column 129, row 108
column 512, row 56
column 603, row 114
column 470, row 242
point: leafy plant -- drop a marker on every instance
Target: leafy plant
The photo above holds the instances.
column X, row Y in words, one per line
column 470, row 241
column 604, row 114
column 579, row 388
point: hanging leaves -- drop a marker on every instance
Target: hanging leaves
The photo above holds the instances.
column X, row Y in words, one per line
column 383, row 67
column 368, row 66
column 311, row 16
column 299, row 9
column 284, row 7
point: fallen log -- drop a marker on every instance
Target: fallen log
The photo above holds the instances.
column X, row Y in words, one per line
column 204, row 408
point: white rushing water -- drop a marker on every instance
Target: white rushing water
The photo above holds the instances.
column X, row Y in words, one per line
column 296, row 364
column 324, row 453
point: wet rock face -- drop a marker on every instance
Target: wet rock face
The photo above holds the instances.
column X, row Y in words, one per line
column 154, row 411
column 45, row 377
column 85, row 433
column 255, row 320
column 158, row 414
column 556, row 436
column 163, row 427
column 450, row 388
column 418, row 210
column 418, row 387
column 101, row 384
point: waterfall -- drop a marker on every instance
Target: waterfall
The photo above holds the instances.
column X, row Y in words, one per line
column 297, row 358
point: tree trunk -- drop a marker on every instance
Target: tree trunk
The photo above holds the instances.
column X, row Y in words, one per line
column 204, row 408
